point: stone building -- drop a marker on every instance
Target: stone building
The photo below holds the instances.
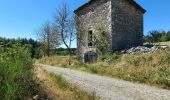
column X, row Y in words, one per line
column 122, row 20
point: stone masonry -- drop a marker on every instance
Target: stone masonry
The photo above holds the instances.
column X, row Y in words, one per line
column 122, row 20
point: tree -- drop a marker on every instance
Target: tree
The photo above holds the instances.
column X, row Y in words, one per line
column 148, row 39
column 49, row 36
column 66, row 27
column 168, row 36
column 157, row 36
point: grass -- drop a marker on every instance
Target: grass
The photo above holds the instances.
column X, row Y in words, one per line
column 152, row 69
column 161, row 43
column 62, row 83
column 58, row 88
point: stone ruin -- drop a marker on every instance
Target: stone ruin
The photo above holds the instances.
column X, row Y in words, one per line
column 144, row 50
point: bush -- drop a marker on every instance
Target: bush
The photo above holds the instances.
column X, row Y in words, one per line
column 15, row 73
column 63, row 52
column 157, row 36
column 109, row 57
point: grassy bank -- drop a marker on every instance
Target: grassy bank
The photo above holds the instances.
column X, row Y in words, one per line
column 58, row 88
column 16, row 81
column 152, row 69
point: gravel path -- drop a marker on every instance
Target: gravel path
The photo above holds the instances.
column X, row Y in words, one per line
column 110, row 88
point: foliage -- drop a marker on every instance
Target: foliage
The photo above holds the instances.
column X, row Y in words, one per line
column 63, row 52
column 16, row 72
column 109, row 57
column 157, row 36
column 102, row 40
column 35, row 47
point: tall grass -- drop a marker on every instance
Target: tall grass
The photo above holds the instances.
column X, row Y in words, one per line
column 15, row 73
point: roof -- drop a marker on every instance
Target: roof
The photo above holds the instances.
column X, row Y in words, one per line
column 132, row 2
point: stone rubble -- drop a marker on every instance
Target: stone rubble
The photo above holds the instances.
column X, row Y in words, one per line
column 144, row 49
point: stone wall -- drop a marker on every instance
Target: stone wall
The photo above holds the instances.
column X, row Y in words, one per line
column 127, row 25
column 90, row 19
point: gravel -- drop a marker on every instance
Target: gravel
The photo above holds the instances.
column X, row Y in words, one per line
column 110, row 88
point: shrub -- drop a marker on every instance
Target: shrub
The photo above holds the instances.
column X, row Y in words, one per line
column 15, row 73
column 109, row 57
column 157, row 36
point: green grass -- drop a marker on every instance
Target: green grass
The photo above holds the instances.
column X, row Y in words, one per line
column 161, row 43
column 61, row 81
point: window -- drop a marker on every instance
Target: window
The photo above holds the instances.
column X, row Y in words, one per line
column 90, row 38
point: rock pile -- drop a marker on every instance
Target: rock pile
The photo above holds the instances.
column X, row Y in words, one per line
column 144, row 49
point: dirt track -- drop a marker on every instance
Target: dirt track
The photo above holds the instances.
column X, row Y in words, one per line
column 110, row 88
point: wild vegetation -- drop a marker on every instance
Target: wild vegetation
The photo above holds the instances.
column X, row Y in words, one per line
column 17, row 77
column 152, row 69
column 63, row 52
column 155, row 36
column 35, row 47
column 59, row 89
column 16, row 80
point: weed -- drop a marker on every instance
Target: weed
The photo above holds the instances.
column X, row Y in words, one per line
column 61, row 81
column 93, row 69
column 134, row 61
column 63, row 89
column 165, row 58
column 109, row 57
column 79, row 64
column 15, row 73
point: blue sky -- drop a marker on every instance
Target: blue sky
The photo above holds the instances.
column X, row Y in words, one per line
column 20, row 18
